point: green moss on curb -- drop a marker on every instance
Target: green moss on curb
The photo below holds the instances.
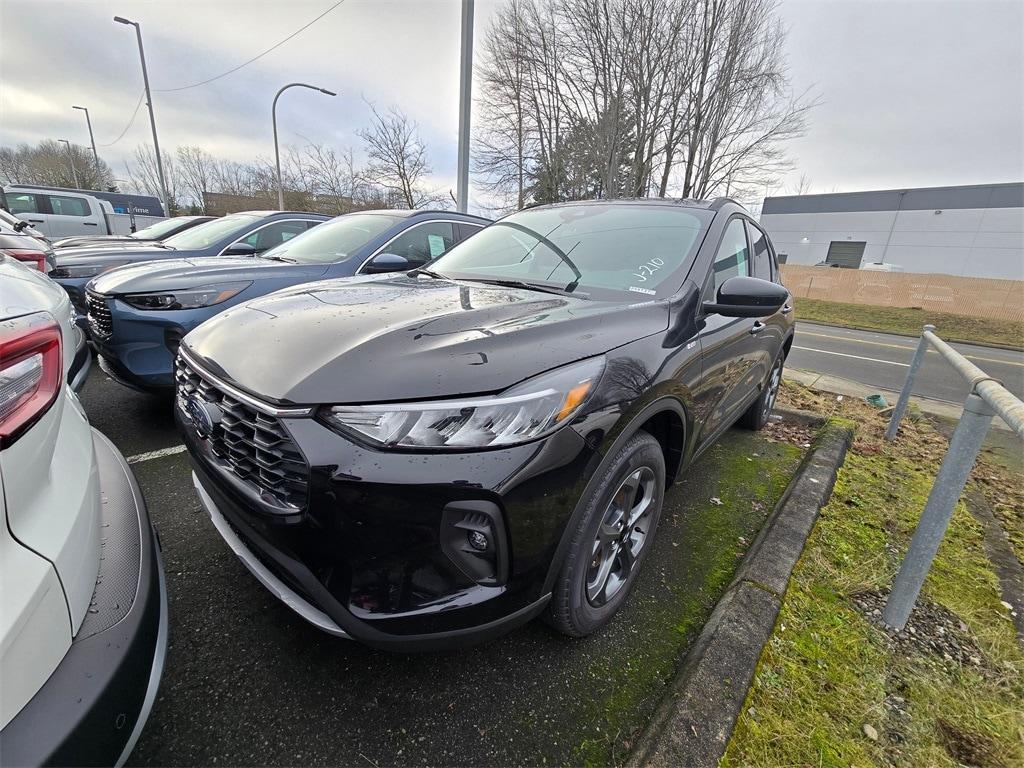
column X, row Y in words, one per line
column 748, row 487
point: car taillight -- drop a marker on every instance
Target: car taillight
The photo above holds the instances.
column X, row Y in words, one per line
column 35, row 259
column 31, row 368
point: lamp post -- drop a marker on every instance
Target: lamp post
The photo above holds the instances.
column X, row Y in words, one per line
column 465, row 105
column 149, row 103
column 71, row 160
column 277, row 149
column 88, row 122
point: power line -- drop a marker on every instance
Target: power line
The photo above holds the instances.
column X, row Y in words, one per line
column 131, row 121
column 254, row 58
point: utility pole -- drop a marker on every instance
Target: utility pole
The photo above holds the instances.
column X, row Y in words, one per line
column 88, row 122
column 465, row 104
column 277, row 149
column 71, row 161
column 152, row 119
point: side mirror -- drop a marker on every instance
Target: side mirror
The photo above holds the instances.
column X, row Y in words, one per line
column 20, row 226
column 747, row 297
column 240, row 248
column 387, row 262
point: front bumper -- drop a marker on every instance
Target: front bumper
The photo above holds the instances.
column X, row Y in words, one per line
column 370, row 557
column 93, row 707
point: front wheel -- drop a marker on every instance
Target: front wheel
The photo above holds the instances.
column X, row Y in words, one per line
column 757, row 415
column 611, row 540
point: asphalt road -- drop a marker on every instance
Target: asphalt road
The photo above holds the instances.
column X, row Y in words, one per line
column 881, row 360
column 247, row 682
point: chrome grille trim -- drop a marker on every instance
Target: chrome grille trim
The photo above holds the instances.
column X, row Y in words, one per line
column 237, row 394
column 251, row 448
column 101, row 322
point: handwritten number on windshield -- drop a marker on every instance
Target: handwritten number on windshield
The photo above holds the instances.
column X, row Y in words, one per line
column 647, row 269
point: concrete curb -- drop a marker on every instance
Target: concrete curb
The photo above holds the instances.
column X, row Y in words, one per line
column 694, row 722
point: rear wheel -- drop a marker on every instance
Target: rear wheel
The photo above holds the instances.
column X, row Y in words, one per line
column 612, row 539
column 757, row 415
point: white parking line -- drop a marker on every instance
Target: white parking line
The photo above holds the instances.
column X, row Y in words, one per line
column 156, row 454
column 855, row 357
column 854, row 340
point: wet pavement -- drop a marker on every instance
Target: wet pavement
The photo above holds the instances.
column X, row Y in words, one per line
column 247, row 682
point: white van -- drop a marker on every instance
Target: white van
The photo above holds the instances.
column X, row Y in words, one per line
column 59, row 214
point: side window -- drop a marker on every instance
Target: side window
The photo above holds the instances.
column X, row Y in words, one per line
column 763, row 261
column 69, row 206
column 275, row 234
column 22, row 202
column 468, row 230
column 733, row 257
column 423, row 243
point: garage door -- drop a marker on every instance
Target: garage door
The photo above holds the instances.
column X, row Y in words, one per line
column 845, row 253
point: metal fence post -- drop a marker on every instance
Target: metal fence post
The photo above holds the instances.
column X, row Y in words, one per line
column 901, row 404
column 949, row 484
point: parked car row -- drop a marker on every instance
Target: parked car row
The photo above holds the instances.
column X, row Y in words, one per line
column 418, row 429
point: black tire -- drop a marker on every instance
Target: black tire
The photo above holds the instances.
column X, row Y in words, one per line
column 574, row 609
column 757, row 415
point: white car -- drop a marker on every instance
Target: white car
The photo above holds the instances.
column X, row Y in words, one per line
column 83, row 606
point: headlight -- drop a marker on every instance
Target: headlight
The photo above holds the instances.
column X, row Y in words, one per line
column 525, row 412
column 206, row 296
column 84, row 270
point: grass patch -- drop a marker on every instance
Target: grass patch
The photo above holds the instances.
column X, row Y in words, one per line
column 699, row 545
column 908, row 321
column 828, row 671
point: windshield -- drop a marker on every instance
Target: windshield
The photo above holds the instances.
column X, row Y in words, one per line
column 158, row 230
column 205, row 235
column 591, row 248
column 334, row 240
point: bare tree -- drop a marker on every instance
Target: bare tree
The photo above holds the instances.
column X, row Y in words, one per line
column 196, row 167
column 397, row 157
column 50, row 163
column 144, row 177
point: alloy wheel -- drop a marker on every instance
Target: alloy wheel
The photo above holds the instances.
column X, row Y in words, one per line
column 621, row 536
column 772, row 390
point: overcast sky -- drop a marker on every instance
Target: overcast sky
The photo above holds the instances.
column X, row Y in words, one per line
column 919, row 93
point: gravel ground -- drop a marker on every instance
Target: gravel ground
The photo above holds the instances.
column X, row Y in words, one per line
column 247, row 682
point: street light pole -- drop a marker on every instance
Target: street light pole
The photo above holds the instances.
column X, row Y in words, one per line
column 465, row 105
column 71, row 161
column 277, row 150
column 149, row 103
column 88, row 122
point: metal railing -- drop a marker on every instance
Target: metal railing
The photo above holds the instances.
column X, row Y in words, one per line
column 986, row 398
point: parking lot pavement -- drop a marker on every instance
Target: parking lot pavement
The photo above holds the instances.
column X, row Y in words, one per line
column 248, row 682
column 881, row 360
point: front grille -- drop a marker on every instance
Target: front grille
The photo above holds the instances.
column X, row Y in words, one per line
column 100, row 320
column 253, row 446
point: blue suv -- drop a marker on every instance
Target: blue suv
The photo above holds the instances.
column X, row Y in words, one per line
column 137, row 315
column 238, row 234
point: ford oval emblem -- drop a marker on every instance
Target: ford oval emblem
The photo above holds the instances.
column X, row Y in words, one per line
column 204, row 414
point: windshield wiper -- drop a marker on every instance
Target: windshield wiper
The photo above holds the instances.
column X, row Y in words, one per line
column 427, row 272
column 531, row 286
column 275, row 257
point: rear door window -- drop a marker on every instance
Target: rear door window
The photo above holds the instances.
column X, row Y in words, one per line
column 65, row 205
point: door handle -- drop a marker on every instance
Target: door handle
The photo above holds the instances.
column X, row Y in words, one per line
column 786, row 309
column 37, row 221
column 90, row 223
column 757, row 327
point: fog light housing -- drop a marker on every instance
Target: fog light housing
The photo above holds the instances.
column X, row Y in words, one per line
column 473, row 537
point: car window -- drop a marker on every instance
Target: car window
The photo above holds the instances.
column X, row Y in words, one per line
column 159, row 229
column 337, row 239
column 274, row 234
column 423, row 242
column 22, row 202
column 468, row 230
column 733, row 256
column 594, row 247
column 63, row 205
column 762, row 257
column 212, row 232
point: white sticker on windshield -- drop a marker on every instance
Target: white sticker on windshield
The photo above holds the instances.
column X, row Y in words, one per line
column 648, row 291
column 436, row 245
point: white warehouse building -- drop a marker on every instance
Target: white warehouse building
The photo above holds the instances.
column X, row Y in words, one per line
column 972, row 231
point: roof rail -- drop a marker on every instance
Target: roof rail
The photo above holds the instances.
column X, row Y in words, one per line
column 720, row 202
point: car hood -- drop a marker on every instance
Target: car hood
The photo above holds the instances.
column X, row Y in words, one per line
column 67, row 257
column 395, row 337
column 176, row 274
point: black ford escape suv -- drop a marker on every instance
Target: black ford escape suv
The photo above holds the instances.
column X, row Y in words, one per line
column 431, row 457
